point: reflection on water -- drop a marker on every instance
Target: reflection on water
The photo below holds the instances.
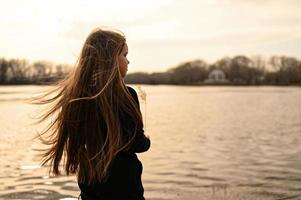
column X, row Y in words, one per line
column 24, row 167
column 36, row 194
column 207, row 143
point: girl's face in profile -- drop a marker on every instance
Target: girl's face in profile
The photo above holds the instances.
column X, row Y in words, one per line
column 123, row 61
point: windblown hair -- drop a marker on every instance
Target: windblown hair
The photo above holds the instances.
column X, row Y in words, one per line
column 85, row 132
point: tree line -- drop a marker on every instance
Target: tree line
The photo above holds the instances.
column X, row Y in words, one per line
column 239, row 70
column 21, row 71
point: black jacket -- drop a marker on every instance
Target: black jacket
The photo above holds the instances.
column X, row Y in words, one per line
column 124, row 180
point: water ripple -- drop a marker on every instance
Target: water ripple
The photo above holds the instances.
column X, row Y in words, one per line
column 35, row 194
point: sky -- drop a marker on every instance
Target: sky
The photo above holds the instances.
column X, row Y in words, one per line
column 160, row 33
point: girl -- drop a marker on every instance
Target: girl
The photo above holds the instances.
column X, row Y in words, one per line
column 97, row 128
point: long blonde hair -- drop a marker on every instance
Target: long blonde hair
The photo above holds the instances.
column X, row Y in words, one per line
column 86, row 127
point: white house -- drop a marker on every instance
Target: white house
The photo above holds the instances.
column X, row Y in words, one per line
column 216, row 76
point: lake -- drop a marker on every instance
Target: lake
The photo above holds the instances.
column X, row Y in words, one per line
column 207, row 143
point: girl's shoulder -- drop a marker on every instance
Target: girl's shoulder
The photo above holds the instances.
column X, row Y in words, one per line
column 130, row 88
column 133, row 93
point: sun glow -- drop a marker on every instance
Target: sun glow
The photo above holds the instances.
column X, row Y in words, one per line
column 160, row 34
